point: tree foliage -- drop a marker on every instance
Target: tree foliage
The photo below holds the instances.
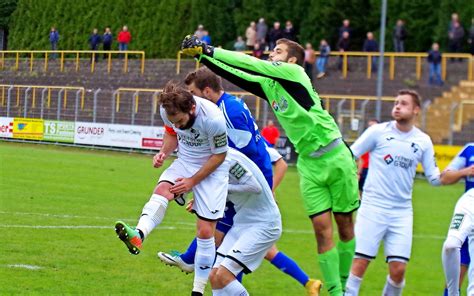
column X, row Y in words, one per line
column 158, row 26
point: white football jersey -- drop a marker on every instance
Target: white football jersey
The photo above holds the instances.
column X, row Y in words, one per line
column 207, row 136
column 394, row 156
column 249, row 192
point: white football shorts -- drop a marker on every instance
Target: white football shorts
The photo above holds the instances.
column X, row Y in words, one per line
column 209, row 195
column 394, row 227
column 245, row 246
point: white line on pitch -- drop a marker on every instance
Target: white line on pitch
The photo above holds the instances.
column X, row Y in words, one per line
column 25, row 266
column 290, row 231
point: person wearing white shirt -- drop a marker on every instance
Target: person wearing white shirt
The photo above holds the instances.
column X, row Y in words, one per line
column 197, row 128
column 257, row 226
column 386, row 212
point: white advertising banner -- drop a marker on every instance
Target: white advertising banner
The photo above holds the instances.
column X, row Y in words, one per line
column 118, row 135
column 6, row 127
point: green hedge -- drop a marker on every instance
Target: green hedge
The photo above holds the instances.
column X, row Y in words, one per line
column 158, row 26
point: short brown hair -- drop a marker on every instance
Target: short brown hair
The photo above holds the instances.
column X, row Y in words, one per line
column 175, row 99
column 202, row 78
column 294, row 50
column 416, row 98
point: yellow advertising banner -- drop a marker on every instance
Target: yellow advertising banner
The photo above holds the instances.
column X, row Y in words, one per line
column 28, row 128
column 443, row 154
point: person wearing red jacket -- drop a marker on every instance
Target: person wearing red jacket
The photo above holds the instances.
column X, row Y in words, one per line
column 271, row 133
column 124, row 38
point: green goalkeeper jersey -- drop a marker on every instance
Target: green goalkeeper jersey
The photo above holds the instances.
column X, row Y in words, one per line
column 287, row 89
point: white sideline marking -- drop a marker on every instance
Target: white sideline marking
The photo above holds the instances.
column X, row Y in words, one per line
column 192, row 225
column 290, row 231
column 26, row 266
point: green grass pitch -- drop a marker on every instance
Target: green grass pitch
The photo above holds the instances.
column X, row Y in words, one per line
column 58, row 207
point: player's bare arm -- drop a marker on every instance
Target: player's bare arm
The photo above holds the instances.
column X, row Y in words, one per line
column 170, row 143
column 452, row 176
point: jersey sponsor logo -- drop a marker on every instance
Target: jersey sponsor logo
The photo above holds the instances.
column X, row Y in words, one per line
column 457, row 221
column 388, row 159
column 237, row 171
column 191, row 141
column 220, row 140
column 281, row 105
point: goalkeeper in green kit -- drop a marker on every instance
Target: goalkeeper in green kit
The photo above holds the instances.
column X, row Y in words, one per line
column 328, row 174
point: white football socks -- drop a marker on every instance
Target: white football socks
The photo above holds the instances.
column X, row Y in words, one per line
column 152, row 214
column 205, row 255
column 234, row 288
column 353, row 285
column 391, row 288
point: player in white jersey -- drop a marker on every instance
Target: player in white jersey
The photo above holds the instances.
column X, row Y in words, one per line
column 197, row 128
column 462, row 227
column 386, row 213
column 257, row 226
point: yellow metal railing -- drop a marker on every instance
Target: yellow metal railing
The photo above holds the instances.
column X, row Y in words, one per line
column 390, row 55
column 4, row 88
column 325, row 97
column 462, row 105
column 137, row 91
column 46, row 54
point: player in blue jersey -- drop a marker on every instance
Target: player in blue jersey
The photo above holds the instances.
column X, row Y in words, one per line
column 243, row 135
column 461, row 167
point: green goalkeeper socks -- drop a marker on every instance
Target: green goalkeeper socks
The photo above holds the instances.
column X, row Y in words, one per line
column 329, row 263
column 346, row 254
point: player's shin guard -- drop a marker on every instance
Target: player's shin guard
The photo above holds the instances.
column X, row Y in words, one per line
column 289, row 266
column 346, row 254
column 393, row 289
column 233, row 288
column 205, row 255
column 152, row 214
column 353, row 285
column 329, row 263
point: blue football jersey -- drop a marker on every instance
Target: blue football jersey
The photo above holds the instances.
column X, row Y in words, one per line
column 464, row 159
column 243, row 133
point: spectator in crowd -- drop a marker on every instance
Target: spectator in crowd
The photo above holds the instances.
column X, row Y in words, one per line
column 434, row 61
column 454, row 19
column 199, row 31
column 262, row 30
column 124, row 38
column 271, row 133
column 94, row 42
column 455, row 36
column 289, row 32
column 107, row 40
column 399, row 35
column 471, row 37
column 346, row 27
column 274, row 34
column 343, row 46
column 54, row 39
column 309, row 60
column 251, row 35
column 205, row 37
column 324, row 51
column 239, row 45
column 370, row 45
column 258, row 49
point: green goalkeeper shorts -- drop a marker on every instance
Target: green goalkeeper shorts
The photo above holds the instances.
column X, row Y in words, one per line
column 329, row 182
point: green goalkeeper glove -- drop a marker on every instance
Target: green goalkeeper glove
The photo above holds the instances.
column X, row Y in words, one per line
column 194, row 47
